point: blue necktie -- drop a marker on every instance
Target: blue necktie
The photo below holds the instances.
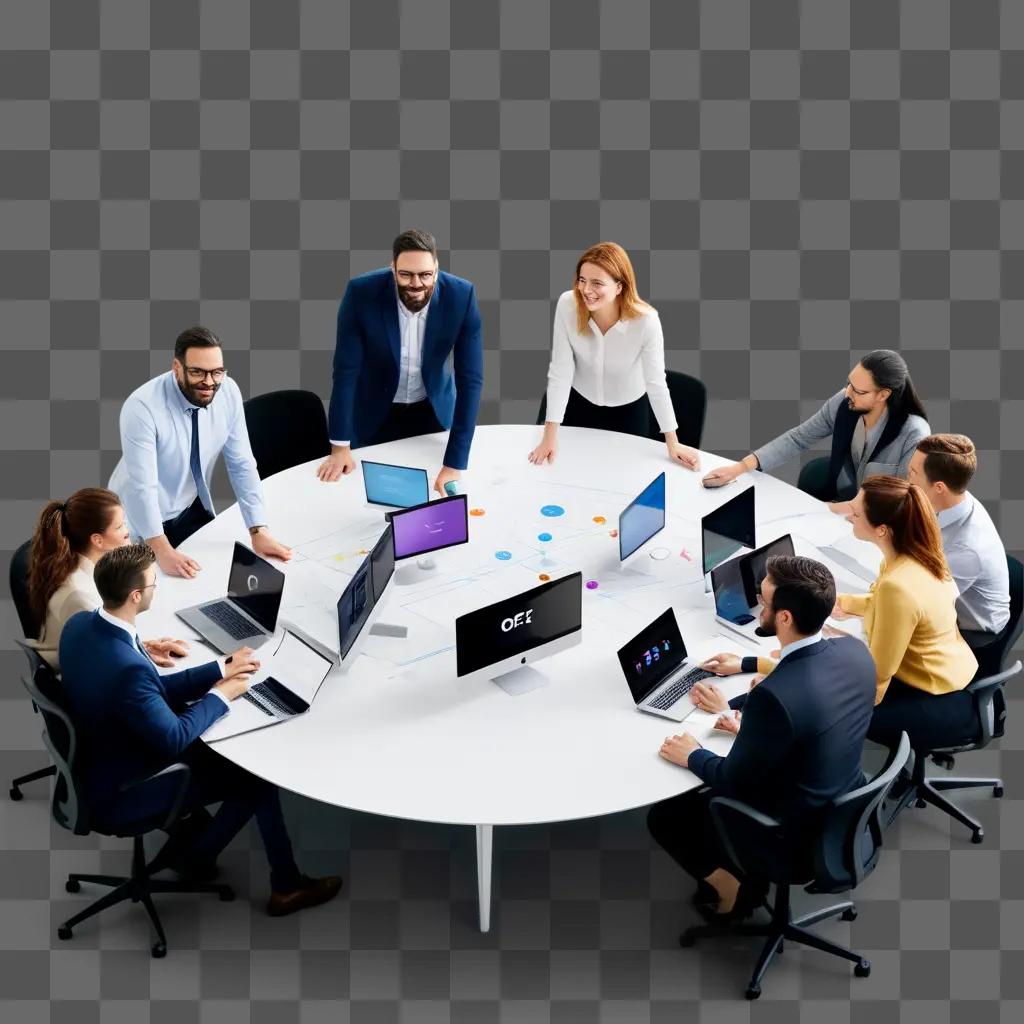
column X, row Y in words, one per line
column 142, row 650
column 196, row 466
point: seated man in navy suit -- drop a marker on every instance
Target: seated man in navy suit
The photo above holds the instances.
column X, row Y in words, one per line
column 798, row 747
column 133, row 722
column 408, row 359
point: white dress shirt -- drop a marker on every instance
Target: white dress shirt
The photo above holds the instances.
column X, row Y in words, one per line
column 154, row 477
column 608, row 369
column 796, row 645
column 76, row 594
column 977, row 562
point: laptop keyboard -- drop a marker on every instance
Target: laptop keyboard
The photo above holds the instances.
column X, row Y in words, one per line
column 683, row 685
column 234, row 624
column 261, row 695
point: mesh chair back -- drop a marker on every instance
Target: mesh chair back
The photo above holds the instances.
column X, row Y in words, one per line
column 18, row 577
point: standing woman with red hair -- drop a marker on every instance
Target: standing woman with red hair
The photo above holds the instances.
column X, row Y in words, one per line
column 922, row 662
column 608, row 359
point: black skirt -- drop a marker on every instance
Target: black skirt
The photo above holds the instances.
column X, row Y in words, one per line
column 632, row 418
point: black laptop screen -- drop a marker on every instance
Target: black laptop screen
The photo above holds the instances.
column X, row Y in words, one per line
column 654, row 653
column 256, row 586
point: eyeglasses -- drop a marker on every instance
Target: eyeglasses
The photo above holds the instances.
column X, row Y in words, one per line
column 857, row 391
column 197, row 376
column 146, row 587
column 407, row 276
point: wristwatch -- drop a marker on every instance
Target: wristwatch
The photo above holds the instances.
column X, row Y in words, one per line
column 253, row 530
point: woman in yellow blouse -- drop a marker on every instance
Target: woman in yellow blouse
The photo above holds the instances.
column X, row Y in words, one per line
column 921, row 660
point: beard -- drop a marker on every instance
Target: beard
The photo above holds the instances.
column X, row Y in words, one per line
column 855, row 409
column 195, row 396
column 766, row 625
column 414, row 299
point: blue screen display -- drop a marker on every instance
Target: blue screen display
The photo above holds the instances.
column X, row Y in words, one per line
column 643, row 518
column 398, row 486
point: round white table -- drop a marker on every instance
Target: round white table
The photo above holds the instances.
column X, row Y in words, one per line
column 399, row 734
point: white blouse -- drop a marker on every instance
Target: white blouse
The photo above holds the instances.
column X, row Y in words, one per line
column 77, row 593
column 608, row 369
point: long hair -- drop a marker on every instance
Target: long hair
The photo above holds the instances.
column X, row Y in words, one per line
column 62, row 535
column 903, row 507
column 889, row 370
column 614, row 260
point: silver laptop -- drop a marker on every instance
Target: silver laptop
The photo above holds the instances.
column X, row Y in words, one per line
column 247, row 617
column 736, row 585
column 658, row 670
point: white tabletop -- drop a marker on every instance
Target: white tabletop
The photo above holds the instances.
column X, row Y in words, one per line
column 400, row 734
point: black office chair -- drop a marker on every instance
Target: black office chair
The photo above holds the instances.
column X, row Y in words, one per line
column 814, row 477
column 992, row 650
column 690, row 402
column 18, row 578
column 990, row 706
column 71, row 811
column 286, row 428
column 846, row 850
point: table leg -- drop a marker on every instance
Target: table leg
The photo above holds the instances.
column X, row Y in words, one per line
column 484, row 840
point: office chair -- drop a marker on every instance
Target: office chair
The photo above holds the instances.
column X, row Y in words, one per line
column 286, row 428
column 18, row 578
column 690, row 402
column 990, row 706
column 991, row 650
column 71, row 811
column 846, row 850
column 813, row 477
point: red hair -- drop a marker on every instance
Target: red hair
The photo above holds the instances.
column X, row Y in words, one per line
column 903, row 507
column 614, row 260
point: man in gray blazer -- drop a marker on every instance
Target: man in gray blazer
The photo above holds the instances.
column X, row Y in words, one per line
column 874, row 425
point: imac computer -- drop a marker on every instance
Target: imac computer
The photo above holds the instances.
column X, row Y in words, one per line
column 728, row 529
column 498, row 642
column 422, row 529
column 393, row 487
column 736, row 584
column 641, row 519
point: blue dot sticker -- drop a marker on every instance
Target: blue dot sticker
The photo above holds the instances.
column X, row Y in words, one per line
column 543, row 537
column 503, row 556
column 551, row 511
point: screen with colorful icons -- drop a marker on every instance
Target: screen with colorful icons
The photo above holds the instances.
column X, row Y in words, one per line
column 654, row 653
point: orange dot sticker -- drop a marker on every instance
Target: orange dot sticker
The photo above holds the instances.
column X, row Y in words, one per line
column 543, row 577
column 600, row 520
column 476, row 512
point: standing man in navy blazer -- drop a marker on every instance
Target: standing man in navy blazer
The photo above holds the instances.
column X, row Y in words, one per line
column 408, row 359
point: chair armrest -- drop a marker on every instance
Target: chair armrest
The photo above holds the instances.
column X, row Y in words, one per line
column 174, row 811
column 984, row 693
column 743, row 830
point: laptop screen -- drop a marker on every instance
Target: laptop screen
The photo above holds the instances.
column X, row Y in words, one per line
column 654, row 653
column 754, row 564
column 731, row 601
column 382, row 562
column 354, row 607
column 255, row 586
column 399, row 486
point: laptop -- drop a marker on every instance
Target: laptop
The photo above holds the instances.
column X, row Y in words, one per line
column 247, row 617
column 658, row 670
column 394, row 487
column 736, row 585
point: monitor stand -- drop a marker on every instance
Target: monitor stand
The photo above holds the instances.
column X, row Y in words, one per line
column 391, row 629
column 521, row 680
column 408, row 575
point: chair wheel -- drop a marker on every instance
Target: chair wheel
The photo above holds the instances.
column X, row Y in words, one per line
column 686, row 940
column 978, row 836
column 863, row 969
column 159, row 950
column 226, row 895
column 753, row 992
column 16, row 794
column 73, row 885
column 997, row 791
column 63, row 932
column 850, row 914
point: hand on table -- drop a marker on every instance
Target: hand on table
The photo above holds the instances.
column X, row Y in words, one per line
column 709, row 697
column 723, row 664
column 678, row 749
column 338, row 464
column 445, row 476
column 724, row 475
column 162, row 652
column 544, row 452
column 729, row 722
column 838, row 613
column 684, row 455
column 265, row 545
column 176, row 563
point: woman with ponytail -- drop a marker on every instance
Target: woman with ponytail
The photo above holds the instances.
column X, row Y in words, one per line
column 922, row 662
column 71, row 537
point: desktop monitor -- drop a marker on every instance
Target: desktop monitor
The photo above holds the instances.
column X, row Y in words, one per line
column 498, row 641
column 354, row 607
column 642, row 518
column 424, row 528
column 382, row 562
column 727, row 529
column 394, row 486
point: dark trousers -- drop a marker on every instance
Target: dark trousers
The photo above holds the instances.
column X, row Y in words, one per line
column 682, row 826
column 407, row 419
column 632, row 418
column 241, row 795
column 930, row 721
column 182, row 526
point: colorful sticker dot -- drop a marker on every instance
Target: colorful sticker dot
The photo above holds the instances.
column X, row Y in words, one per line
column 551, row 511
column 592, row 584
column 613, row 533
column 503, row 556
column 476, row 511
column 543, row 537
column 600, row 520
column 543, row 577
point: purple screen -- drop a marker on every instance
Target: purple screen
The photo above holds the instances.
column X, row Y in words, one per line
column 437, row 525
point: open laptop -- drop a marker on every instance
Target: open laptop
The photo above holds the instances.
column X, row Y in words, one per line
column 394, row 487
column 247, row 617
column 658, row 670
column 736, row 585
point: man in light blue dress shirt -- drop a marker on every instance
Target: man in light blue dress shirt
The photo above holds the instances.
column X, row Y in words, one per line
column 942, row 467
column 173, row 428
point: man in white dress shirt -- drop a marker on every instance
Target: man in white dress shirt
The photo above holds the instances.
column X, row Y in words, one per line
column 942, row 467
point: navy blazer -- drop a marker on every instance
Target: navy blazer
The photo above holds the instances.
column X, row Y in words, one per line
column 802, row 735
column 368, row 350
column 131, row 721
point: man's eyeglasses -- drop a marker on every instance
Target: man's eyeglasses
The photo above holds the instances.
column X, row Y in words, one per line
column 146, row 587
column 407, row 276
column 857, row 391
column 197, row 376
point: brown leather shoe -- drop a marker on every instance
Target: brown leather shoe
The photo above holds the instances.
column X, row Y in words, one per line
column 310, row 893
